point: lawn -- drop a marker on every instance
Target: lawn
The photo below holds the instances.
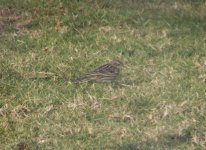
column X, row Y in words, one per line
column 158, row 102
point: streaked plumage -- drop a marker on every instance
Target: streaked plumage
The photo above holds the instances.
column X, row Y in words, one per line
column 104, row 73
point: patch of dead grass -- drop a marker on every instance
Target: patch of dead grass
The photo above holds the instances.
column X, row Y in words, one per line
column 19, row 20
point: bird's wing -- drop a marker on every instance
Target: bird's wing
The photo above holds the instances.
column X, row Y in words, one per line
column 105, row 69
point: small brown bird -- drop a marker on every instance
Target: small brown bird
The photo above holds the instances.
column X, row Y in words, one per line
column 105, row 73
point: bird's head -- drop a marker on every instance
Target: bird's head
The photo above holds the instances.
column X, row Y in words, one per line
column 117, row 63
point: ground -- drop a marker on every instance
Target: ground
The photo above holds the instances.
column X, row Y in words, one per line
column 158, row 102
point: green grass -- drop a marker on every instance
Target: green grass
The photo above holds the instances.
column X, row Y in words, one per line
column 158, row 102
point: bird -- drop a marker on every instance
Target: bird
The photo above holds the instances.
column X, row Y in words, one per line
column 105, row 73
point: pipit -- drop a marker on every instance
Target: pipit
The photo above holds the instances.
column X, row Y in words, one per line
column 105, row 73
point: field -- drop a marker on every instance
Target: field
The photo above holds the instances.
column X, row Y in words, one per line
column 158, row 102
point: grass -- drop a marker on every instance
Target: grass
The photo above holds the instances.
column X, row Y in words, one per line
column 158, row 102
